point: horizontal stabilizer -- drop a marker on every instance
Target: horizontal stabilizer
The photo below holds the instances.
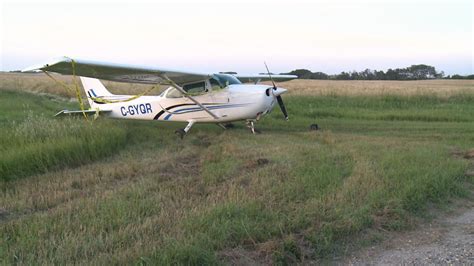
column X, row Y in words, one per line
column 79, row 112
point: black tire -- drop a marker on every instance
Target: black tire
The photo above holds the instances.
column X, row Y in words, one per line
column 180, row 132
column 229, row 125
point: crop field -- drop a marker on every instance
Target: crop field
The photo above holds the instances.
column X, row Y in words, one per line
column 132, row 192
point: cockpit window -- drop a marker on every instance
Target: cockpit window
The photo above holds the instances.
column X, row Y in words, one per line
column 215, row 85
column 195, row 88
column 217, row 81
column 225, row 80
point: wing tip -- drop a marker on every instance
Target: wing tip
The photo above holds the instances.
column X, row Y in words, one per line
column 39, row 67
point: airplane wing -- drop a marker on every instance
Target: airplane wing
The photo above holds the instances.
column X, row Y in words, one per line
column 123, row 73
column 263, row 77
column 118, row 72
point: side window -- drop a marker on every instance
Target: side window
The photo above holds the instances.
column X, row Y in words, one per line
column 215, row 84
column 173, row 93
column 195, row 88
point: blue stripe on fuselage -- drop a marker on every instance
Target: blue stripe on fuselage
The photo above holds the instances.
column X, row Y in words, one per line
column 167, row 117
column 197, row 109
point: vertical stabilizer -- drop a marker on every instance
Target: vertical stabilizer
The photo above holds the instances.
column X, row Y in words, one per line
column 94, row 88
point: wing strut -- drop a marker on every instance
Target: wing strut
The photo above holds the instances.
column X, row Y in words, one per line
column 180, row 89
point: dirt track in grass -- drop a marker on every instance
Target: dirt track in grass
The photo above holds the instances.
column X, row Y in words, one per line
column 448, row 239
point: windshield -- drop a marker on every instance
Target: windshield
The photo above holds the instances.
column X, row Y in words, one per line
column 225, row 80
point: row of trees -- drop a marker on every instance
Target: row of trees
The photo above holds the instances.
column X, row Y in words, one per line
column 414, row 72
column 456, row 76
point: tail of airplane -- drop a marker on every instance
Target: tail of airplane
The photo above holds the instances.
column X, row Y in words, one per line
column 94, row 89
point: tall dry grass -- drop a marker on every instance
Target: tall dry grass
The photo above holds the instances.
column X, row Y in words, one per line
column 443, row 88
column 440, row 88
column 40, row 83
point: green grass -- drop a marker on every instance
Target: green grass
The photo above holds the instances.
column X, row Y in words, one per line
column 288, row 195
column 457, row 108
column 15, row 105
column 32, row 142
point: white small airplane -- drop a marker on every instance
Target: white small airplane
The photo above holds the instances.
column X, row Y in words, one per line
column 192, row 97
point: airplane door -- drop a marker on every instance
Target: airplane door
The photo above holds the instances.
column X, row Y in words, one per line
column 219, row 96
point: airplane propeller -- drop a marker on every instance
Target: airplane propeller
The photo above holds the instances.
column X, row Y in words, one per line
column 282, row 107
column 278, row 97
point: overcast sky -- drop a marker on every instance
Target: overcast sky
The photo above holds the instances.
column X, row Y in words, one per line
column 327, row 36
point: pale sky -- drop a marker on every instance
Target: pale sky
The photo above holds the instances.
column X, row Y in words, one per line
column 211, row 36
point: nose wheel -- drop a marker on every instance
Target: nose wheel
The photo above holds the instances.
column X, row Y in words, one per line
column 251, row 126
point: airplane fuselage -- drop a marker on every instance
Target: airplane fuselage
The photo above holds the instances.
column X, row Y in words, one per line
column 193, row 97
column 233, row 103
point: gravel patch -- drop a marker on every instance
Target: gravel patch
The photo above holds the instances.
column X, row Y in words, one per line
column 448, row 240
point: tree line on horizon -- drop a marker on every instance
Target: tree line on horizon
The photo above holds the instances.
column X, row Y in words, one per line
column 413, row 72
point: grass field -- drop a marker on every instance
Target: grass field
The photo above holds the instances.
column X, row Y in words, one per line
column 132, row 192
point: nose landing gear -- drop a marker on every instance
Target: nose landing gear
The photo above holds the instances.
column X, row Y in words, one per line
column 251, row 125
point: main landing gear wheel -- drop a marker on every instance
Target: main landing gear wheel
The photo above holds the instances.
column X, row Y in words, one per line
column 183, row 131
column 180, row 132
column 226, row 125
column 314, row 127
